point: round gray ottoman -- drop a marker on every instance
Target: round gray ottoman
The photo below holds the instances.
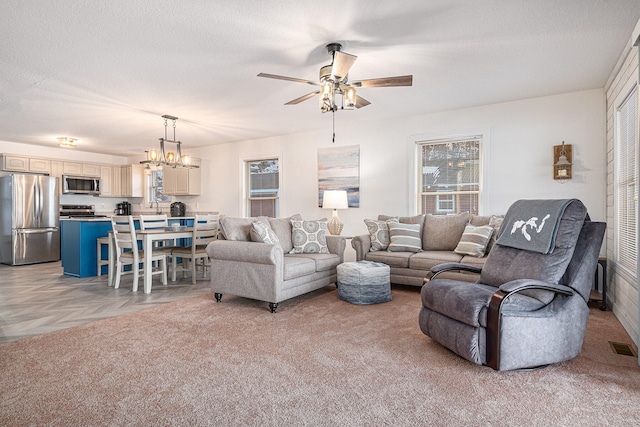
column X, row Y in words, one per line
column 364, row 282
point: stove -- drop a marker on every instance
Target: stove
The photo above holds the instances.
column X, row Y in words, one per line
column 79, row 211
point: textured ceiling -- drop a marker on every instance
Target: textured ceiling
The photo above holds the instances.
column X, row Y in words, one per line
column 105, row 71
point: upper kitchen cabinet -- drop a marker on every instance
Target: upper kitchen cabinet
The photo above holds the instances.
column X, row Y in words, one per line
column 106, row 181
column 13, row 163
column 181, row 181
column 81, row 169
column 133, row 182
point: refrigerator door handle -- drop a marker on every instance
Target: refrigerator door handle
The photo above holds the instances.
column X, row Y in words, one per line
column 36, row 230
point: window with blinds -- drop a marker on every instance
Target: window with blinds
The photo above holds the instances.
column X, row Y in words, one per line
column 263, row 187
column 449, row 176
column 627, row 182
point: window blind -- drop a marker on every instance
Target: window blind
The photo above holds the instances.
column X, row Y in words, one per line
column 627, row 182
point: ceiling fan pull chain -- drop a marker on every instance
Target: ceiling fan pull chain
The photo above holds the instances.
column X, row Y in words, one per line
column 334, row 125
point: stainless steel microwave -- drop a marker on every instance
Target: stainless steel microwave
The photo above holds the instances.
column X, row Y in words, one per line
column 80, row 185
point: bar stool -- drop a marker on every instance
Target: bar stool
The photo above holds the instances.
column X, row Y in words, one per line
column 101, row 261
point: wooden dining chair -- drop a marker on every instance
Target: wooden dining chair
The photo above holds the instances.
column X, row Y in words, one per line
column 127, row 252
column 158, row 222
column 205, row 231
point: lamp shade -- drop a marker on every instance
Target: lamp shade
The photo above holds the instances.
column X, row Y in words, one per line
column 335, row 199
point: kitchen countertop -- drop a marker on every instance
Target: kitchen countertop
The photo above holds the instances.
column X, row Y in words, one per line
column 108, row 218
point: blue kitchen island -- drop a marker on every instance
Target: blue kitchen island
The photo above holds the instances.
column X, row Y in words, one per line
column 78, row 243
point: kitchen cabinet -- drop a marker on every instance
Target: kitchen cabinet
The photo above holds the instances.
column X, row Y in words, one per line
column 181, row 181
column 116, row 181
column 78, row 245
column 12, row 163
column 133, row 182
column 40, row 165
column 106, row 181
column 57, row 167
column 81, row 169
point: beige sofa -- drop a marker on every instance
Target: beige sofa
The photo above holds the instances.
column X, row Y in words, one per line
column 267, row 272
column 440, row 236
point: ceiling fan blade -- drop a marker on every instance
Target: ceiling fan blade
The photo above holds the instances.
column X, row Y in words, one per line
column 385, row 82
column 302, row 98
column 291, row 79
column 361, row 102
column 342, row 63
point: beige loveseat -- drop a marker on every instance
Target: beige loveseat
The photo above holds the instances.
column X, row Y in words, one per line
column 243, row 266
column 439, row 237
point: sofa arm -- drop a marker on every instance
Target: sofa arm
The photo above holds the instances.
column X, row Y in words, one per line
column 252, row 252
column 336, row 245
column 362, row 245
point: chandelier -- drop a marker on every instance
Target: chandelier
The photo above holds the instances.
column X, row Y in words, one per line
column 156, row 158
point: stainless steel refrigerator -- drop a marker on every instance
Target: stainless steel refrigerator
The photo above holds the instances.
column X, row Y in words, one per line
column 29, row 219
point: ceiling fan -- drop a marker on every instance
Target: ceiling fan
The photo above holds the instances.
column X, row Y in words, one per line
column 334, row 81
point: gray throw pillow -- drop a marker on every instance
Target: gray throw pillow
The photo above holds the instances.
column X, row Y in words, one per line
column 379, row 233
column 474, row 240
column 262, row 233
column 404, row 237
column 309, row 237
column 443, row 232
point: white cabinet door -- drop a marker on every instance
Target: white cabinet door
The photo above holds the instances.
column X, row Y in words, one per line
column 15, row 163
column 181, row 182
column 133, row 181
column 116, row 182
column 90, row 169
column 40, row 165
column 106, row 181
column 72, row 168
column 57, row 168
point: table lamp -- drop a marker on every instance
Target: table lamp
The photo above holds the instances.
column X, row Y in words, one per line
column 335, row 199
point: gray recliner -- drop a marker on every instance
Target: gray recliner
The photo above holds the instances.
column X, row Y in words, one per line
column 528, row 308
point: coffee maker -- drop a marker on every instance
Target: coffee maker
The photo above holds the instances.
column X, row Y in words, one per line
column 123, row 208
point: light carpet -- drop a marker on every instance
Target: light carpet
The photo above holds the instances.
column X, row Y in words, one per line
column 317, row 361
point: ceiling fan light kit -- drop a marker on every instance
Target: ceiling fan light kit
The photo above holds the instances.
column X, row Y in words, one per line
column 334, row 83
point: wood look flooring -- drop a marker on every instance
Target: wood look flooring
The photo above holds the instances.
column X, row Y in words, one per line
column 38, row 299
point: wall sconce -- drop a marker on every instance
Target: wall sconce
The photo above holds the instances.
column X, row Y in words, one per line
column 562, row 166
column 335, row 199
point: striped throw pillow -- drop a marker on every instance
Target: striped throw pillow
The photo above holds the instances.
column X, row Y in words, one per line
column 404, row 237
column 474, row 240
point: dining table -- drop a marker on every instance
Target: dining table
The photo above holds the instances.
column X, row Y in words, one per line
column 150, row 236
column 147, row 237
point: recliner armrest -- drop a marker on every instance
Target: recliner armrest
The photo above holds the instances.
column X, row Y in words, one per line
column 450, row 266
column 527, row 284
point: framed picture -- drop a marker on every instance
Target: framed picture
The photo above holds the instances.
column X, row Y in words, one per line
column 339, row 169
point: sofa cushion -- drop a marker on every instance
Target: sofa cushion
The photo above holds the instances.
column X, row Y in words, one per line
column 262, row 233
column 474, row 240
column 323, row 262
column 239, row 229
column 427, row 259
column 392, row 259
column 295, row 267
column 416, row 219
column 379, row 233
column 443, row 232
column 282, row 228
column 404, row 237
column 479, row 220
column 309, row 236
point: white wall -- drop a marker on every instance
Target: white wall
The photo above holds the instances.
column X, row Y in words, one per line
column 520, row 137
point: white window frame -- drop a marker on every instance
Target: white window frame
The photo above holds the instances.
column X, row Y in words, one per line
column 626, row 267
column 150, row 187
column 246, row 182
column 417, row 141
